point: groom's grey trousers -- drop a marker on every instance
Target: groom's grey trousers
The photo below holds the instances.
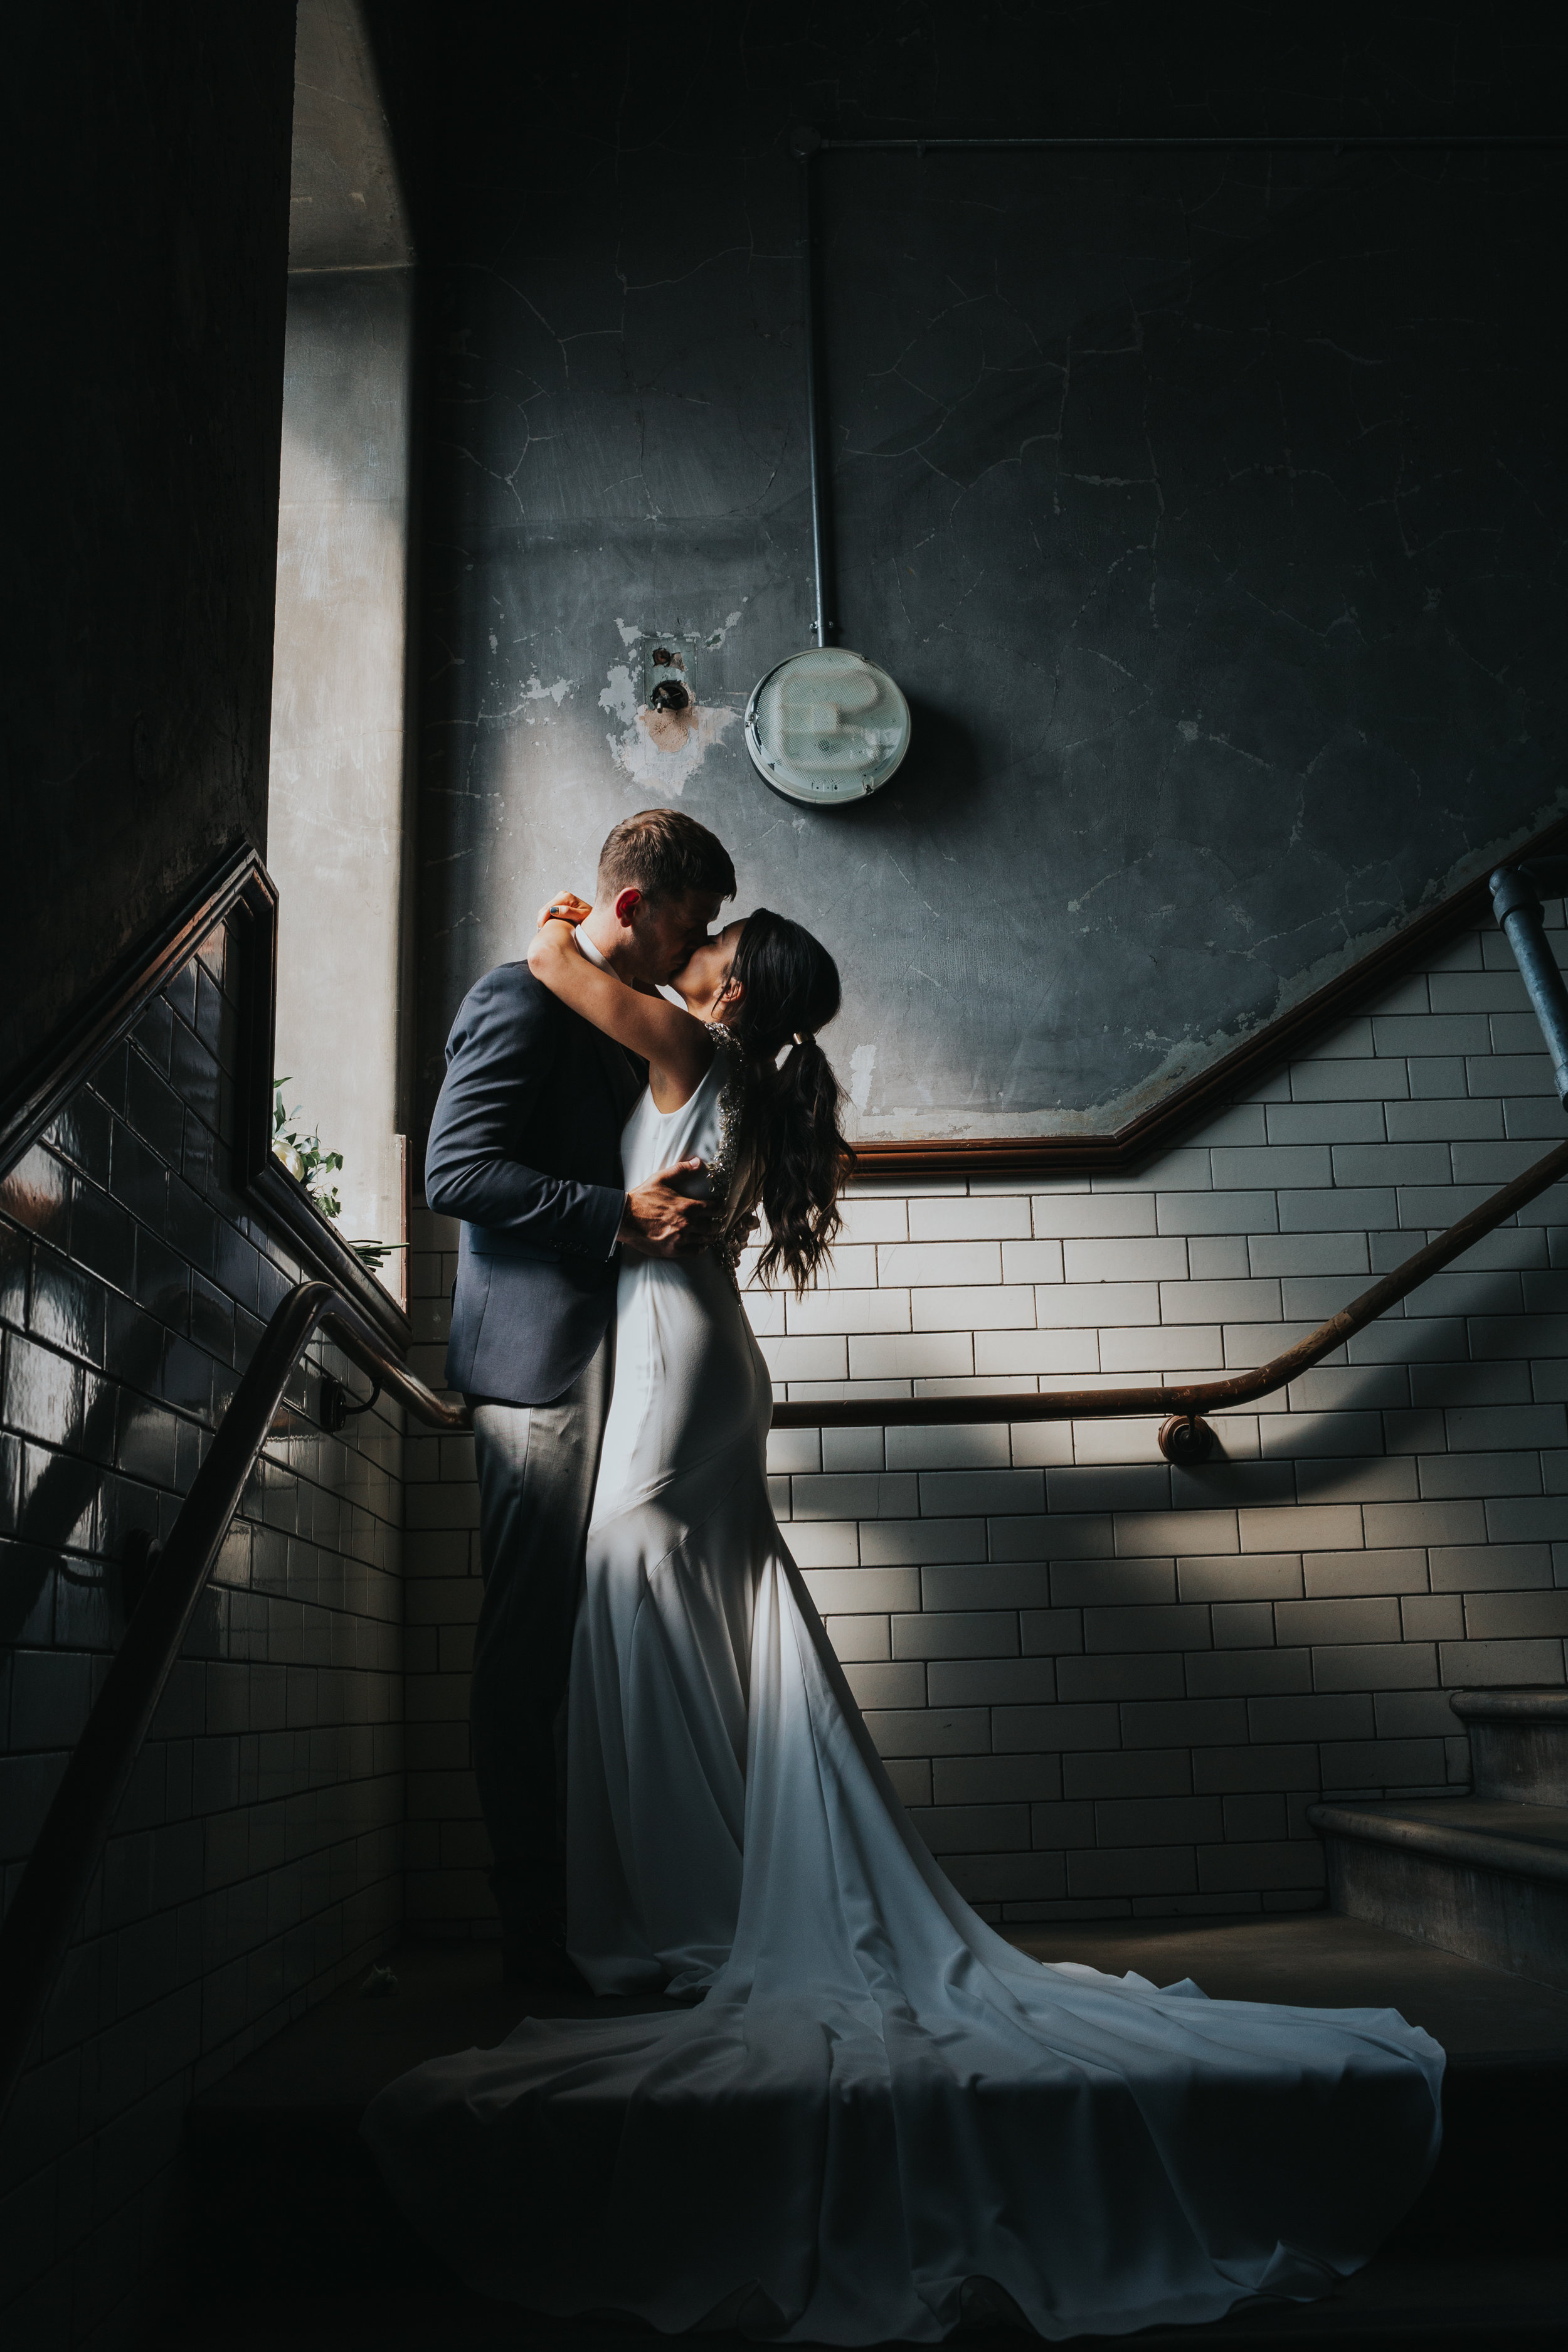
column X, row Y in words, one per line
column 537, row 1468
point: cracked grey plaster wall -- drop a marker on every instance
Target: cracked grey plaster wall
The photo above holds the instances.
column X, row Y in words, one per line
column 1209, row 509
column 254, row 1862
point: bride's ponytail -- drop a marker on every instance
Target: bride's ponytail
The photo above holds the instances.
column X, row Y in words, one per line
column 790, row 1155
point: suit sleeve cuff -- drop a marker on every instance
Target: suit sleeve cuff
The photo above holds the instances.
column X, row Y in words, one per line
column 606, row 1222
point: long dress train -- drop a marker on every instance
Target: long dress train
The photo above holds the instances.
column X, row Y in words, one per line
column 882, row 2120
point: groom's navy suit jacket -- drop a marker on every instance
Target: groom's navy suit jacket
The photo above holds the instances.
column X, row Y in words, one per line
column 525, row 1149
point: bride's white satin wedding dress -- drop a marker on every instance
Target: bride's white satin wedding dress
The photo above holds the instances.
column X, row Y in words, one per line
column 881, row 2120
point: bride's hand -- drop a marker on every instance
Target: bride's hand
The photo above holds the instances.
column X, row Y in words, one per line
column 565, row 906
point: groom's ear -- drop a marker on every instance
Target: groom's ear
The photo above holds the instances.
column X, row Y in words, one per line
column 627, row 904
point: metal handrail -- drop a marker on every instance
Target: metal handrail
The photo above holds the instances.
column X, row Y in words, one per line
column 55, row 1881
column 1183, row 1402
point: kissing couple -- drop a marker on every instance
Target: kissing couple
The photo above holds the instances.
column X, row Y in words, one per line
column 848, row 2109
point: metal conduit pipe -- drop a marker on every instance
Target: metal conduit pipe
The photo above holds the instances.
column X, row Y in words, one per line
column 807, row 147
column 1517, row 904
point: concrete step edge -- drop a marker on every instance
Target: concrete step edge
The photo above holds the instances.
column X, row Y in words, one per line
column 1510, row 1705
column 1513, row 1855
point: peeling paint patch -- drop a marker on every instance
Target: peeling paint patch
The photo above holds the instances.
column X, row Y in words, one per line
column 536, row 691
column 620, row 696
column 662, row 748
column 862, row 1064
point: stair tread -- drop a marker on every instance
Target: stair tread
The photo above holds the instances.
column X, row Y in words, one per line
column 1498, row 1816
column 1529, row 1840
column 1510, row 1705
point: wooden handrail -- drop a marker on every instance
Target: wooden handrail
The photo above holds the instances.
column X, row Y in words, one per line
column 54, row 1885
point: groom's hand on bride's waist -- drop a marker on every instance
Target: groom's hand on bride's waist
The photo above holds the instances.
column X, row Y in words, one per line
column 661, row 1220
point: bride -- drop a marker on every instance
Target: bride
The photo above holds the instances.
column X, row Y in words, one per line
column 863, row 2114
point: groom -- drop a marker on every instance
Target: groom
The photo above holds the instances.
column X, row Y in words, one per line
column 525, row 1149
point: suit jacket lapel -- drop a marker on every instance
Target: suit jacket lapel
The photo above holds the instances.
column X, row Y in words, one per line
column 627, row 1075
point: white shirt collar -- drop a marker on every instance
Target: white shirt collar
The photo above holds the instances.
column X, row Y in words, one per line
column 595, row 955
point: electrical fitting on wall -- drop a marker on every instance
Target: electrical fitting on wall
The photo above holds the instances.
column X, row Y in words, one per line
column 826, row 726
column 668, row 683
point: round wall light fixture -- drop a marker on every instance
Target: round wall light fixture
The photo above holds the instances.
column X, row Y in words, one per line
column 826, row 726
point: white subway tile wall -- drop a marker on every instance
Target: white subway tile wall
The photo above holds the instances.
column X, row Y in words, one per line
column 1107, row 1687
column 254, row 1862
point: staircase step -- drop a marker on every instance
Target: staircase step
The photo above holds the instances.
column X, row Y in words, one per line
column 1519, row 1743
column 1477, row 1875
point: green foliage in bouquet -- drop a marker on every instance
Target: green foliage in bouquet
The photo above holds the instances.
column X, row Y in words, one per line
column 309, row 1165
column 303, row 1154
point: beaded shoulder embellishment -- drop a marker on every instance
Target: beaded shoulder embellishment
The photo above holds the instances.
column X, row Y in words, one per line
column 723, row 1160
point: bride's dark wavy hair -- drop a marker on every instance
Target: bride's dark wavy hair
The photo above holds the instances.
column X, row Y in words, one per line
column 790, row 1153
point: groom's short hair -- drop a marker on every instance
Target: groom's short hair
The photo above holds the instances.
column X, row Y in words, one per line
column 663, row 854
